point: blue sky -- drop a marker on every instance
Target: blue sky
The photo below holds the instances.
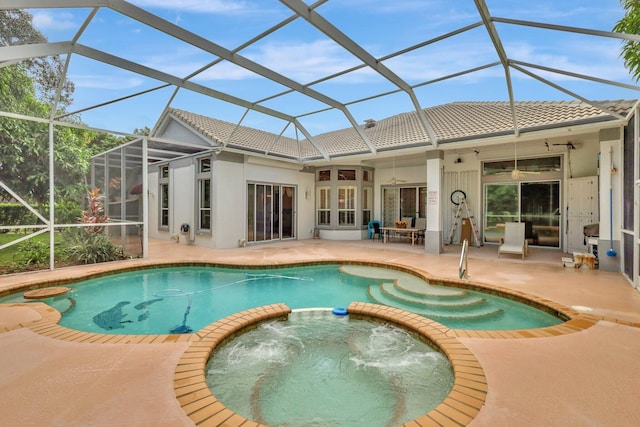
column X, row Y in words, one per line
column 304, row 55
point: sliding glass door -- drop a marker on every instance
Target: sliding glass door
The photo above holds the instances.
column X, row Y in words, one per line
column 287, row 222
column 270, row 212
column 535, row 203
column 403, row 202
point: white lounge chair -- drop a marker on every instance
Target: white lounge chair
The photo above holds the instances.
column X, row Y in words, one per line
column 514, row 241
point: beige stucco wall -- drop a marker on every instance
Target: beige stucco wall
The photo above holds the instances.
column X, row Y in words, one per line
column 229, row 188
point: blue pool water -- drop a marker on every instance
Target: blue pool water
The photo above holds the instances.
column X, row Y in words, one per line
column 316, row 368
column 185, row 299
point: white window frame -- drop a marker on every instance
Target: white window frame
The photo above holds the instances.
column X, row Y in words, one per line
column 323, row 209
column 203, row 185
column 163, row 183
column 347, row 196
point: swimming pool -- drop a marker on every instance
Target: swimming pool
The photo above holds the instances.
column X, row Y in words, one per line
column 187, row 298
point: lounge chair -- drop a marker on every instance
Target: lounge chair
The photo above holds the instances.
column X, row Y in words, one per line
column 513, row 241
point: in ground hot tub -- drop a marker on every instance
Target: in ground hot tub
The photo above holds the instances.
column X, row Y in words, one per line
column 318, row 368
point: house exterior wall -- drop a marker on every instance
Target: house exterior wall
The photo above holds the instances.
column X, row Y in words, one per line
column 229, row 178
column 611, row 204
column 411, row 175
column 178, row 132
column 228, row 215
column 462, row 169
column 283, row 173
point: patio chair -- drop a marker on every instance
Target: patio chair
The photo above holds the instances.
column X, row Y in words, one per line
column 421, row 225
column 374, row 228
column 514, row 241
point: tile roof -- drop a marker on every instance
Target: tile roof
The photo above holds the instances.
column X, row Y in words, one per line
column 450, row 122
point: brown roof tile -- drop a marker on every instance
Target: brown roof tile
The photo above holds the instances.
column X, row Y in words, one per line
column 450, row 122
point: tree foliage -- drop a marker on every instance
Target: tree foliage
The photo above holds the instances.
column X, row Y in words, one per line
column 29, row 88
column 24, row 144
column 16, row 28
column 630, row 24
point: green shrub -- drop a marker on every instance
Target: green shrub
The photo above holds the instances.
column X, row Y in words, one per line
column 16, row 214
column 67, row 211
column 94, row 248
column 32, row 253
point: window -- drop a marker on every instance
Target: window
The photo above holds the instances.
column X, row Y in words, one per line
column 346, row 175
column 536, row 203
column 324, row 206
column 367, row 203
column 164, row 196
column 344, row 197
column 540, row 164
column 204, row 194
column 204, row 165
column 347, row 205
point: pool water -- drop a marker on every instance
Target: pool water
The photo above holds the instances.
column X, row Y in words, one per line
column 185, row 299
column 320, row 369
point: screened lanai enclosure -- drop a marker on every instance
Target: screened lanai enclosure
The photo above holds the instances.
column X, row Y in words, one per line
column 318, row 79
column 118, row 175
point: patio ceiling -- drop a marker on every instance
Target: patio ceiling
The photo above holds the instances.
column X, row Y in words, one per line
column 290, row 104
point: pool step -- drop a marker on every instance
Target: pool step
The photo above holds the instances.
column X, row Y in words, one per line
column 461, row 302
column 479, row 309
column 403, row 281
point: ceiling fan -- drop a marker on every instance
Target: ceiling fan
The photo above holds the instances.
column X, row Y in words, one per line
column 393, row 179
column 515, row 172
column 570, row 145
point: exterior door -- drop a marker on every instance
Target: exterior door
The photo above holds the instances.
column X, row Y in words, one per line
column 537, row 202
column 583, row 207
column 288, row 212
column 403, row 202
column 270, row 212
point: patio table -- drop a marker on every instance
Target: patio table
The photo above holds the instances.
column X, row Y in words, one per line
column 386, row 233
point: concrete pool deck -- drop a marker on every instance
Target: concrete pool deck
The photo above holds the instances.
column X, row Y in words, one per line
column 588, row 377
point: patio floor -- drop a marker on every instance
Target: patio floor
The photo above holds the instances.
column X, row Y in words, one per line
column 588, row 377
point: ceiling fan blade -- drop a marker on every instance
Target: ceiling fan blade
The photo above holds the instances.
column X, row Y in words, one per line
column 395, row 180
column 519, row 174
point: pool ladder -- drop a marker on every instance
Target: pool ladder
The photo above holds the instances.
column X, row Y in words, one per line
column 463, row 265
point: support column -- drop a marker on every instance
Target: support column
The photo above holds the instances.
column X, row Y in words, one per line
column 610, row 205
column 433, row 242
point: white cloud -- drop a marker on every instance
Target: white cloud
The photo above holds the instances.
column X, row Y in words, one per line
column 442, row 60
column 225, row 71
column 596, row 59
column 304, row 61
column 197, row 6
column 54, row 20
column 105, row 81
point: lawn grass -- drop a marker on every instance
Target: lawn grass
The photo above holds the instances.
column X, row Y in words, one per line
column 10, row 254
